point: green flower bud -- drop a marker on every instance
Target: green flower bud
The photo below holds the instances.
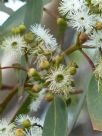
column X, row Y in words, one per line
column 36, row 88
column 26, row 123
column 72, row 70
column 19, row 132
column 22, row 28
column 73, row 64
column 99, row 25
column 59, row 59
column 28, row 37
column 44, row 64
column 15, row 30
column 49, row 97
column 62, row 25
column 32, row 72
column 61, row 22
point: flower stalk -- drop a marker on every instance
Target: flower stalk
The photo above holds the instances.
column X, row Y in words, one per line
column 0, row 78
column 13, row 67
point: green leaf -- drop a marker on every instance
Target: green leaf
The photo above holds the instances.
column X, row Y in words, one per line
column 94, row 102
column 46, row 1
column 5, row 9
column 22, row 74
column 15, row 19
column 33, row 12
column 56, row 119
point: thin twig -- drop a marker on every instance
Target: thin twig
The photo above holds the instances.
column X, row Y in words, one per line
column 76, row 92
column 14, row 67
column 88, row 59
column 89, row 47
column 4, row 87
column 69, row 51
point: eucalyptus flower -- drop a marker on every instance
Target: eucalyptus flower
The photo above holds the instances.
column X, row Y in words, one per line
column 47, row 41
column 6, row 127
column 26, row 120
column 40, row 58
column 34, row 131
column 14, row 45
column 68, row 6
column 60, row 81
column 81, row 20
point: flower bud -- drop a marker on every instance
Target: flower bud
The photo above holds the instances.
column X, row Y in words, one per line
column 32, row 72
column 19, row 132
column 44, row 64
column 73, row 64
column 61, row 22
column 28, row 37
column 99, row 25
column 26, row 123
column 83, row 37
column 49, row 97
column 36, row 88
column 72, row 70
column 59, row 59
column 22, row 28
column 15, row 30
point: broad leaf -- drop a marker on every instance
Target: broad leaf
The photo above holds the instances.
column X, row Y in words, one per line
column 5, row 9
column 56, row 119
column 33, row 12
column 22, row 74
column 15, row 19
column 46, row 1
column 94, row 102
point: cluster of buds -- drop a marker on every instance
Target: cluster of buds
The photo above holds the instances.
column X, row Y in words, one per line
column 47, row 74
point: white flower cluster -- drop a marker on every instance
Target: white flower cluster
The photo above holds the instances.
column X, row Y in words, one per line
column 24, row 126
column 79, row 15
column 85, row 20
column 43, row 47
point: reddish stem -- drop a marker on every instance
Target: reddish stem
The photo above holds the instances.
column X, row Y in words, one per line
column 14, row 67
column 76, row 92
column 88, row 59
column 89, row 47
